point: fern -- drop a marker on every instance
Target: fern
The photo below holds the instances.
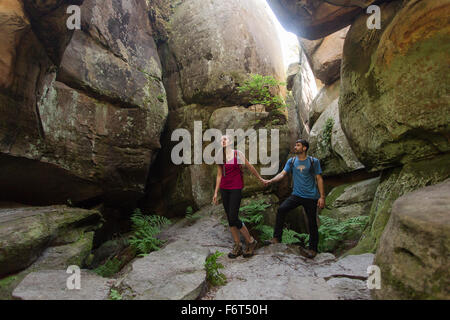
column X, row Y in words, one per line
column 145, row 230
column 332, row 232
column 290, row 236
column 115, row 295
column 109, row 268
column 253, row 213
column 213, row 274
column 266, row 232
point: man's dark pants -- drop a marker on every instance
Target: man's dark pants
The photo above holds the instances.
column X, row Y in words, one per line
column 310, row 206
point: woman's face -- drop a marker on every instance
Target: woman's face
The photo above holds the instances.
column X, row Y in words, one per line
column 225, row 141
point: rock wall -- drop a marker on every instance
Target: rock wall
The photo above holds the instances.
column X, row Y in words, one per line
column 84, row 121
column 394, row 107
column 207, row 50
column 315, row 19
column 413, row 251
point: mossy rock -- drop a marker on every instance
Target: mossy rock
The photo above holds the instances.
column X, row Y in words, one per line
column 26, row 232
column 393, row 184
column 394, row 84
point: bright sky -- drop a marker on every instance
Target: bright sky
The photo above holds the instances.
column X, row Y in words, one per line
column 288, row 40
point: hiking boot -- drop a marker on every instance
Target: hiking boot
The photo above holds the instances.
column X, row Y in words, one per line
column 236, row 252
column 310, row 253
column 271, row 241
column 250, row 248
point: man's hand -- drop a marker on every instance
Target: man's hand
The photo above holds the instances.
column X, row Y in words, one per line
column 265, row 182
column 321, row 203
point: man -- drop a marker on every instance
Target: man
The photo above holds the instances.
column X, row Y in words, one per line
column 305, row 172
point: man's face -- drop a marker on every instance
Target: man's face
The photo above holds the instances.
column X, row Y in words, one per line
column 299, row 148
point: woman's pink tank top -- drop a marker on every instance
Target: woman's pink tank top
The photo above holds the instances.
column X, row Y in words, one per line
column 232, row 174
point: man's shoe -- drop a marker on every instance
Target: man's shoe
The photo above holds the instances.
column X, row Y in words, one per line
column 271, row 241
column 236, row 252
column 310, row 253
column 250, row 248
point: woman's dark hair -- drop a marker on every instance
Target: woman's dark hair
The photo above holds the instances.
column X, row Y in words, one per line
column 304, row 143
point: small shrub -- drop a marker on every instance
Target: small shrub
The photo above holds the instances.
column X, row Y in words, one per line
column 253, row 213
column 259, row 87
column 109, row 268
column 213, row 274
column 332, row 232
column 326, row 134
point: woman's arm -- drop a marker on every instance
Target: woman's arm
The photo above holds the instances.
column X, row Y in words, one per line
column 251, row 167
column 218, row 179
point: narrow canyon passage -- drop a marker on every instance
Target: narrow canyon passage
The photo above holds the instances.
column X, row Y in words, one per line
column 105, row 130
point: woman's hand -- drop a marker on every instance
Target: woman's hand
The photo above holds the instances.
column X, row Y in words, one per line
column 214, row 201
column 264, row 181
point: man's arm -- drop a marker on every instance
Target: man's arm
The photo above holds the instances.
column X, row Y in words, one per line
column 278, row 177
column 321, row 202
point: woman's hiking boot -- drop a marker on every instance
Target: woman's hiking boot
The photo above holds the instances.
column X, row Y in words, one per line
column 250, row 249
column 236, row 252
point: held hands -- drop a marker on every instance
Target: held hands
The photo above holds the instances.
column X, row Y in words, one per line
column 265, row 182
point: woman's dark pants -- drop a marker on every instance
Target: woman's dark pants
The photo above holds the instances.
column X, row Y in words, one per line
column 231, row 199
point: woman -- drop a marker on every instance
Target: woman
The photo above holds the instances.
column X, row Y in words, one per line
column 230, row 181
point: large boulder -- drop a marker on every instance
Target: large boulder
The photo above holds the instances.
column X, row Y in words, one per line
column 414, row 247
column 90, row 128
column 351, row 200
column 303, row 90
column 393, row 184
column 393, row 105
column 52, row 285
column 315, row 19
column 329, row 144
column 325, row 57
column 26, row 233
column 213, row 46
column 174, row 273
column 322, row 100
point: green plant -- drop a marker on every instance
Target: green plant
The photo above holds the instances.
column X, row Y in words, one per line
column 253, row 212
column 109, row 268
column 265, row 232
column 146, row 227
column 326, row 134
column 213, row 274
column 259, row 88
column 332, row 232
column 190, row 216
column 290, row 236
column 115, row 295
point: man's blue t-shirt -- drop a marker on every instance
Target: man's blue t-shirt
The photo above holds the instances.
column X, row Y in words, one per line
column 304, row 181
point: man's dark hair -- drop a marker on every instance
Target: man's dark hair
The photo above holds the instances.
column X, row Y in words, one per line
column 304, row 143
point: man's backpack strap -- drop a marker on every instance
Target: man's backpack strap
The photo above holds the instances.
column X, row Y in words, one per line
column 311, row 167
column 291, row 163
